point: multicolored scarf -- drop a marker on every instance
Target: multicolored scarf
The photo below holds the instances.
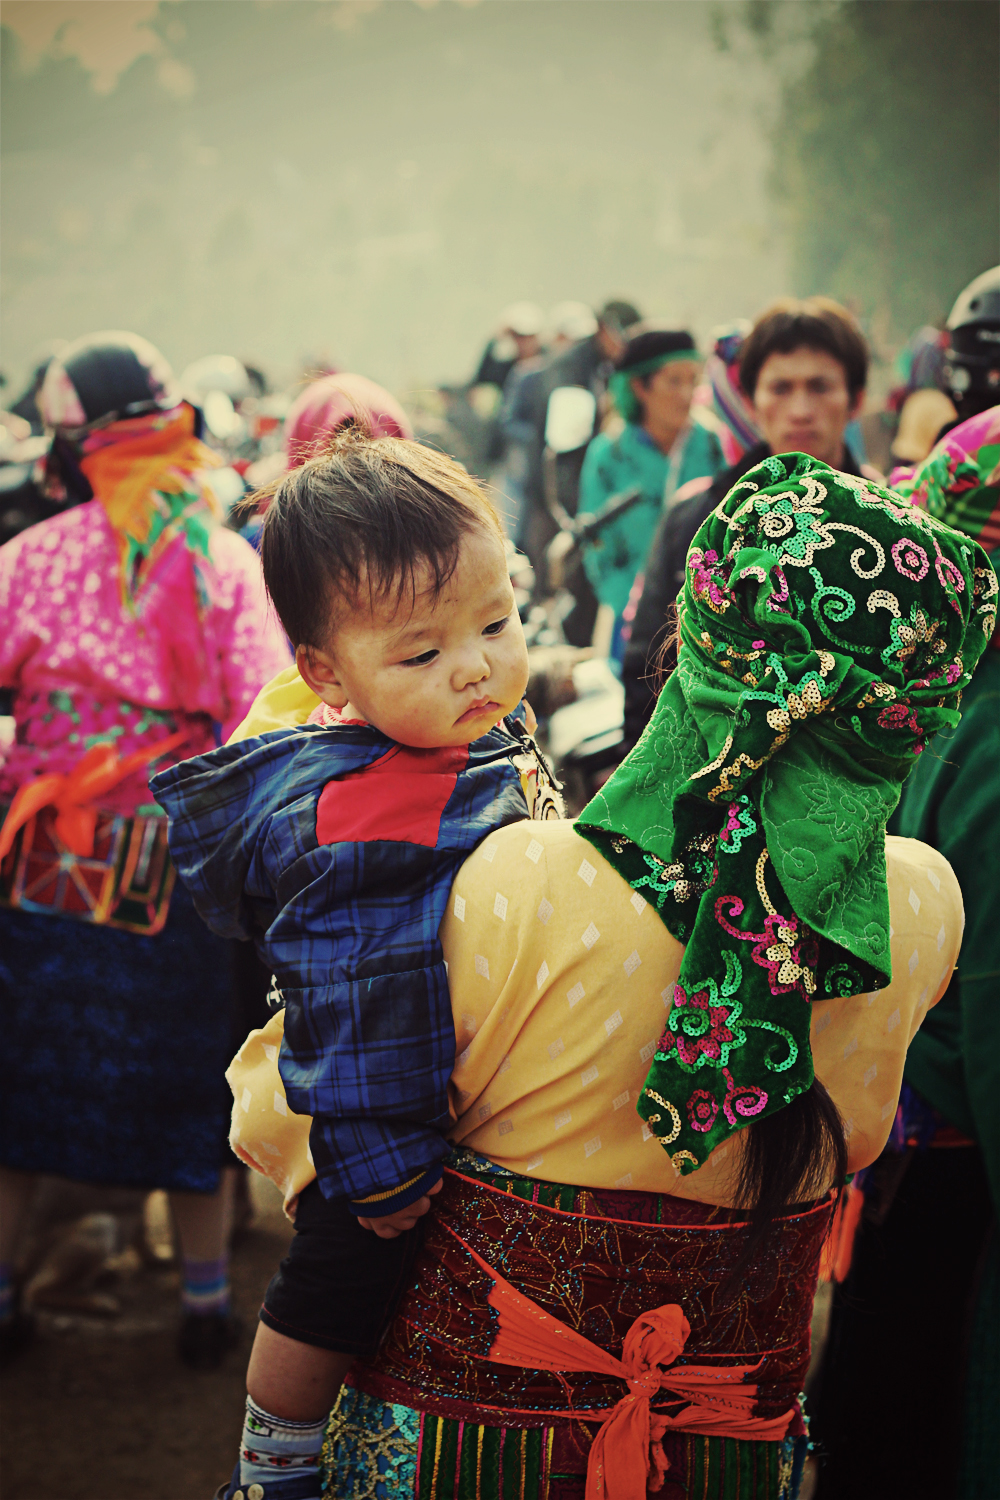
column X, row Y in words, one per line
column 959, row 480
column 827, row 629
column 146, row 474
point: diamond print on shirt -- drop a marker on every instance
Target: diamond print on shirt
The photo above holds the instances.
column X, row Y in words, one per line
column 533, row 852
column 590, row 936
column 500, row 907
column 586, row 872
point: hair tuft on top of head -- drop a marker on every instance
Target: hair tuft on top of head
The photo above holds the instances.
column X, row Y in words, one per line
column 367, row 520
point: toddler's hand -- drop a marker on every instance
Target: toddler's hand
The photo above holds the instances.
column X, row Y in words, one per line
column 391, row 1226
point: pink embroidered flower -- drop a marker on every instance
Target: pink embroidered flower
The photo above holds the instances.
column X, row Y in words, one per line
column 703, row 566
column 910, row 558
column 702, row 1028
column 702, row 1110
column 898, row 716
column 786, row 948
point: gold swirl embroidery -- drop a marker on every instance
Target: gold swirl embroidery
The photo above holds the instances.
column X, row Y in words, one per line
column 761, row 887
column 680, row 1156
column 674, row 1117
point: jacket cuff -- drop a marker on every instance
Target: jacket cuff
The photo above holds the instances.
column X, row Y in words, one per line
column 378, row 1205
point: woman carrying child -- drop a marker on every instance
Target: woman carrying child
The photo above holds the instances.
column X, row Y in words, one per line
column 679, row 1024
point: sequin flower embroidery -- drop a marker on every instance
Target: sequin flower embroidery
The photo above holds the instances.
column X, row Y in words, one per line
column 702, row 1028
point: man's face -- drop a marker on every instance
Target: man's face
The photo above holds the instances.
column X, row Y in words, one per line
column 611, row 341
column 803, row 404
column 434, row 670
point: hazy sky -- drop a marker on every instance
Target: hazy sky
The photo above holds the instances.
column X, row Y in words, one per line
column 373, row 181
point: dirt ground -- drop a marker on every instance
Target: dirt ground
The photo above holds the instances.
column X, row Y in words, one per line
column 102, row 1409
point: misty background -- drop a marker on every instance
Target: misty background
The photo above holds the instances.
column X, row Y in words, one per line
column 370, row 181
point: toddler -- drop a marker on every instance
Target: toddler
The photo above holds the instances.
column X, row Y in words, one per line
column 333, row 845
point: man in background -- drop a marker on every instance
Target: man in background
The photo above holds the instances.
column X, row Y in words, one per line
column 804, row 366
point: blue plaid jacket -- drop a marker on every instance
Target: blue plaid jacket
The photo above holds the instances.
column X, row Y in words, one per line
column 335, row 850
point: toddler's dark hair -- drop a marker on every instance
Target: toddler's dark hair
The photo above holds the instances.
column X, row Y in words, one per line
column 357, row 521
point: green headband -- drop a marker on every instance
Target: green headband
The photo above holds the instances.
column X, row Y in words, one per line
column 827, row 629
column 620, row 384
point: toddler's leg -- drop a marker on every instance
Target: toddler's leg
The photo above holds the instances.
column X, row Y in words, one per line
column 293, row 1381
column 328, row 1305
column 291, row 1388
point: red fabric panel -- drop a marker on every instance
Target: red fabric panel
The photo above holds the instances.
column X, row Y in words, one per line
column 402, row 798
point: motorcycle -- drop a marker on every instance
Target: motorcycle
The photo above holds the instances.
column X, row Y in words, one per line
column 575, row 691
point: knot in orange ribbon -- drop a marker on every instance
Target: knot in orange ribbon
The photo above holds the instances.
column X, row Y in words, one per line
column 626, row 1459
column 74, row 796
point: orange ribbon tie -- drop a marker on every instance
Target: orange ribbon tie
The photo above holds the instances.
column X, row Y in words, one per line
column 74, row 795
column 626, row 1457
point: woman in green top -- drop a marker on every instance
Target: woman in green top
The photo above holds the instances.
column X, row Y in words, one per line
column 660, row 449
column 924, row 1283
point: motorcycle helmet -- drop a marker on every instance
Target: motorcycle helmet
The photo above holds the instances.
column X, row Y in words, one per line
column 95, row 381
column 971, row 374
column 216, row 372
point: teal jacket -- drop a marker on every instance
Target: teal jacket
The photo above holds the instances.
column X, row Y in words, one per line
column 952, row 801
column 615, row 464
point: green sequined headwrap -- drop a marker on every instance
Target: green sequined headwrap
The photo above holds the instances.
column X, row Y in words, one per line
column 827, row 630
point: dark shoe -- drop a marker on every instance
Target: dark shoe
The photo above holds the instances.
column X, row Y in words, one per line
column 306, row 1488
column 16, row 1334
column 204, row 1339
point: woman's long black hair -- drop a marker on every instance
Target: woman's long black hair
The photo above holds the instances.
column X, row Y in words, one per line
column 789, row 1157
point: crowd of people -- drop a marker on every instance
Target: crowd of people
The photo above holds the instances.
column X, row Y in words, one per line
column 569, row 1114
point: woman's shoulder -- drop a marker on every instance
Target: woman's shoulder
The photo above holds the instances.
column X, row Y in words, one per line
column 918, row 875
column 74, row 538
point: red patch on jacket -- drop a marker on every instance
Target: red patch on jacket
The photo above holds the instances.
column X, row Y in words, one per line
column 400, row 798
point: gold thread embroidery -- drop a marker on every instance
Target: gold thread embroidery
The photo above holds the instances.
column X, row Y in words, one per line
column 761, row 887
column 437, row 1454
column 674, row 1117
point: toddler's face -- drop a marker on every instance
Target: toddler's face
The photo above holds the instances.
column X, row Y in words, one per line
column 440, row 673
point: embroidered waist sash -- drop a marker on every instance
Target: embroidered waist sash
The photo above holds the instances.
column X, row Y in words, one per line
column 599, row 1266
